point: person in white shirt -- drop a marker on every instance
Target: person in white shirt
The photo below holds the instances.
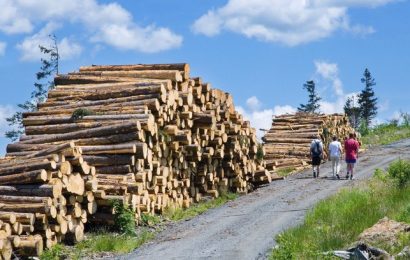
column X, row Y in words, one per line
column 335, row 151
column 316, row 153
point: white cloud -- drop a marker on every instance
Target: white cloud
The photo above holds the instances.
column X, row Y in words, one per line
column 281, row 110
column 149, row 39
column 3, row 46
column 253, row 103
column 290, row 22
column 328, row 73
column 5, row 112
column 31, row 52
column 261, row 118
column 109, row 24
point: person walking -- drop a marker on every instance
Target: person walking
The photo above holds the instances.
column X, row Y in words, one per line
column 352, row 151
column 335, row 150
column 316, row 153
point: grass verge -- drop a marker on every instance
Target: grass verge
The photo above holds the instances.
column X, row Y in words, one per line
column 97, row 243
column 386, row 134
column 285, row 171
column 335, row 223
column 176, row 214
column 107, row 242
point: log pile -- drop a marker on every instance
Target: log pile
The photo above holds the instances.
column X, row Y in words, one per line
column 147, row 136
column 287, row 143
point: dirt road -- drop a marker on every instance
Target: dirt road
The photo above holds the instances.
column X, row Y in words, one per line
column 245, row 228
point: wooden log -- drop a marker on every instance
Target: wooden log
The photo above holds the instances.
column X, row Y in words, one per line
column 107, row 160
column 32, row 166
column 30, row 177
column 173, row 75
column 184, row 67
column 89, row 133
column 39, row 190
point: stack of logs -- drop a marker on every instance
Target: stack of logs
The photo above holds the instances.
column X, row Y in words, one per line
column 147, row 136
column 287, row 143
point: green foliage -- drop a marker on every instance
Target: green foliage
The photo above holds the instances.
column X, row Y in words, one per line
column 124, row 218
column 363, row 128
column 259, row 153
column 114, row 242
column 165, row 137
column 367, row 100
column 150, row 220
column 49, row 67
column 335, row 223
column 385, row 134
column 313, row 103
column 285, row 171
column 353, row 112
column 243, row 140
column 79, row 113
column 55, row 253
column 176, row 214
column 98, row 242
column 400, row 171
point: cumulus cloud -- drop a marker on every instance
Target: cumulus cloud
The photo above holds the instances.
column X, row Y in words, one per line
column 261, row 118
column 290, row 22
column 5, row 112
column 3, row 46
column 31, row 52
column 105, row 23
column 328, row 73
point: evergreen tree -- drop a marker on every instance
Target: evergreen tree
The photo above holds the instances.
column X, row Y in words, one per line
column 367, row 99
column 313, row 103
column 49, row 68
column 353, row 112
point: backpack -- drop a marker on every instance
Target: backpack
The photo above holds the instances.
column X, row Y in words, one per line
column 316, row 151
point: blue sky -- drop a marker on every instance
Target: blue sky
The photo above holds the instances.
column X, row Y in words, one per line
column 261, row 51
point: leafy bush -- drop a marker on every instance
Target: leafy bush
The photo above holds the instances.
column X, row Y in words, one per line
column 124, row 218
column 149, row 220
column 80, row 113
column 400, row 171
column 260, row 153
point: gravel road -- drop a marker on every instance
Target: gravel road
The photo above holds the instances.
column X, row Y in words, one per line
column 245, row 228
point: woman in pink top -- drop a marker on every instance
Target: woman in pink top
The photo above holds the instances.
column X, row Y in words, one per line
column 351, row 150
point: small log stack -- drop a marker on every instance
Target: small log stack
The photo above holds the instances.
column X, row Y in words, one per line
column 148, row 136
column 287, row 143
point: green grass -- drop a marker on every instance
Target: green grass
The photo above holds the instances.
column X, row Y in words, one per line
column 386, row 134
column 285, row 171
column 336, row 222
column 177, row 214
column 99, row 242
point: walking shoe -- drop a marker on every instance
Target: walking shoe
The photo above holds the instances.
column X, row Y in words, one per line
column 337, row 176
column 351, row 177
column 347, row 176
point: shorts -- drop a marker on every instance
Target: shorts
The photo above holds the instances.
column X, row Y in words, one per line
column 316, row 161
column 350, row 160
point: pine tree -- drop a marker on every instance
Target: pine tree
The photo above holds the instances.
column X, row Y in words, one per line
column 353, row 112
column 49, row 68
column 313, row 103
column 367, row 99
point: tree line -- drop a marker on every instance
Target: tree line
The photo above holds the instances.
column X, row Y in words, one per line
column 360, row 112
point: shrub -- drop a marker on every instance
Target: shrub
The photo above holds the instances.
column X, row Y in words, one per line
column 260, row 153
column 80, row 113
column 400, row 171
column 124, row 218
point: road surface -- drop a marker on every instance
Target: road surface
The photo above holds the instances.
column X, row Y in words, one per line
column 245, row 228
